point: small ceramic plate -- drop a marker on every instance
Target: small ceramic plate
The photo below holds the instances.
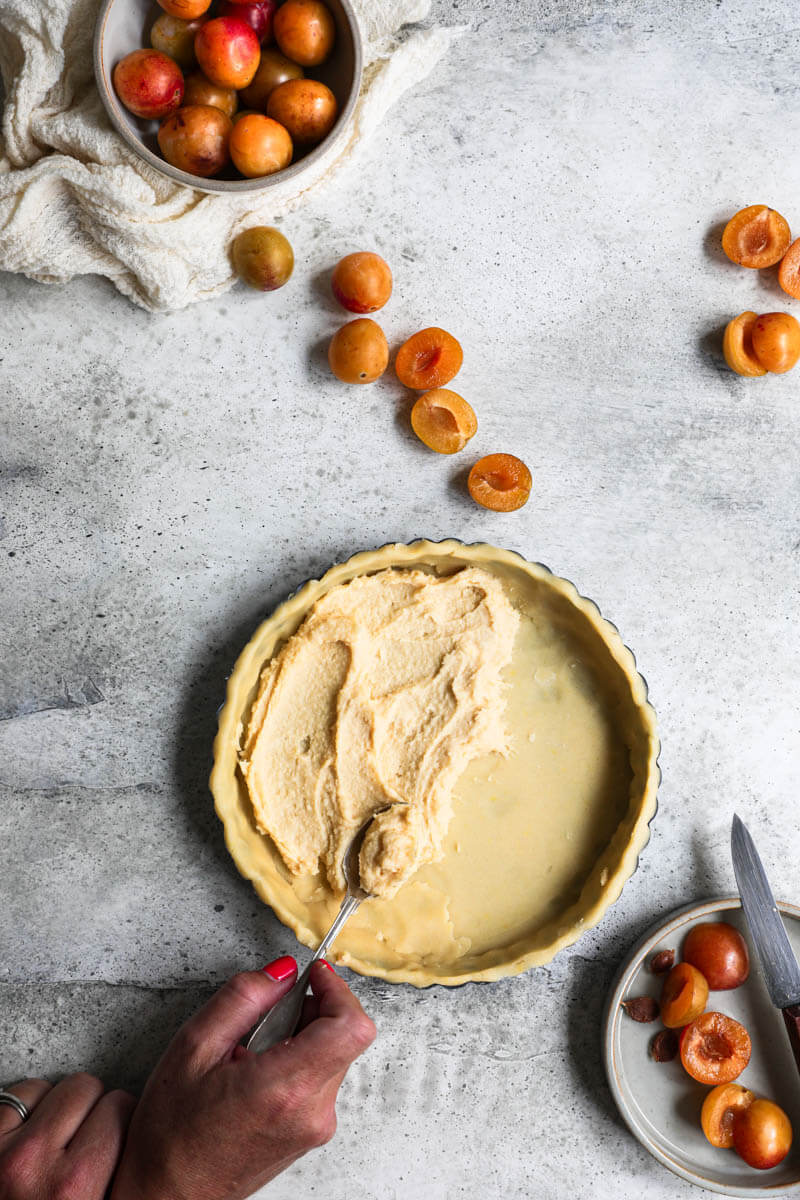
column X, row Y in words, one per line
column 660, row 1103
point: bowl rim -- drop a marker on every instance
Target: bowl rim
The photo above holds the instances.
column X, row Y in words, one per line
column 662, row 928
column 409, row 554
column 225, row 187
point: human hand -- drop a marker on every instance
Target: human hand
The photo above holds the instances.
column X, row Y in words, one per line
column 217, row 1122
column 70, row 1144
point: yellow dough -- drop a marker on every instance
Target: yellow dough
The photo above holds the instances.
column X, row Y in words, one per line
column 389, row 689
column 540, row 827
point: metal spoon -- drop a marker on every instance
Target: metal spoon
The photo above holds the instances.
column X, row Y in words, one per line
column 281, row 1021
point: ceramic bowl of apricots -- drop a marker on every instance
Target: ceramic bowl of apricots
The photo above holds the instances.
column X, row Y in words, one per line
column 757, row 344
column 229, row 95
column 697, row 1057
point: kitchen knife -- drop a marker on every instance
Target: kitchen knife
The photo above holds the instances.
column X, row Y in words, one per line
column 778, row 963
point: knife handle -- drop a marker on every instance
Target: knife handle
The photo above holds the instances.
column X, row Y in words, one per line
column 791, row 1016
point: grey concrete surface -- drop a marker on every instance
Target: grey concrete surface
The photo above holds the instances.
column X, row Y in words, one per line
column 553, row 195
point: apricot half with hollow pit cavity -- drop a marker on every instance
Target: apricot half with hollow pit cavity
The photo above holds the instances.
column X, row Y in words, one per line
column 429, row 359
column 737, row 346
column 500, row 482
column 443, row 420
column 721, row 1107
column 756, row 236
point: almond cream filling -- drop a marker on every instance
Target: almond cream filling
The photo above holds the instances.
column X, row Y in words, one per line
column 389, row 688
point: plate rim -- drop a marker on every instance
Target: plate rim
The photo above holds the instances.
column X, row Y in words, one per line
column 612, row 1014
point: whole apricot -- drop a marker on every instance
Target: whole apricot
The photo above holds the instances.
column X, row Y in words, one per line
column 263, row 258
column 188, row 10
column 195, row 139
column 443, row 420
column 228, row 51
column 260, row 146
column 359, row 352
column 175, row 38
column 776, row 341
column 719, row 952
column 737, row 346
column 305, row 31
column 362, row 282
column 756, row 236
column 500, row 482
column 148, row 83
column 200, row 90
column 306, row 107
column 275, row 68
column 257, row 13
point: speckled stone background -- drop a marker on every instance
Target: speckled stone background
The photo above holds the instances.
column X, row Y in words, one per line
column 553, row 195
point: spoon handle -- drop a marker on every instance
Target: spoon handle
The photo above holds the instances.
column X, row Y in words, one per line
column 281, row 1021
column 349, row 906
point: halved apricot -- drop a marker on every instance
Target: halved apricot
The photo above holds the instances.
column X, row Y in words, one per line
column 737, row 346
column 429, row 359
column 776, row 341
column 683, row 996
column 756, row 236
column 789, row 270
column 720, row 1108
column 358, row 352
column 715, row 1048
column 500, row 482
column 443, row 421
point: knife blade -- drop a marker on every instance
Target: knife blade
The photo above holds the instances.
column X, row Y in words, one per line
column 778, row 963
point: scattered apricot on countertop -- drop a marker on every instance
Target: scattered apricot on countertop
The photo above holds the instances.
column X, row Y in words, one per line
column 500, row 482
column 429, row 359
column 263, row 257
column 443, row 420
column 359, row 352
column 756, row 236
column 776, row 341
column 362, row 282
column 789, row 271
column 737, row 346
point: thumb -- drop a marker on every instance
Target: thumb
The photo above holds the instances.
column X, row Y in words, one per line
column 215, row 1029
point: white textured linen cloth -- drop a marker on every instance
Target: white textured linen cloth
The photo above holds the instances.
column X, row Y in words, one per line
column 75, row 200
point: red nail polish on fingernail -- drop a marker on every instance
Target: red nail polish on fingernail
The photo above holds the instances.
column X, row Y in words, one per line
column 325, row 963
column 281, row 969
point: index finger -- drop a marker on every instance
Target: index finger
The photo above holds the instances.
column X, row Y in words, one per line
column 325, row 1048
